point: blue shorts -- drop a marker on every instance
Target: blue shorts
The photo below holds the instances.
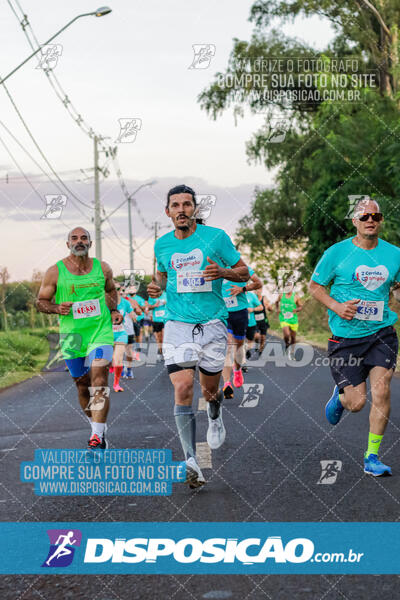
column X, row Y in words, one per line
column 237, row 323
column 81, row 365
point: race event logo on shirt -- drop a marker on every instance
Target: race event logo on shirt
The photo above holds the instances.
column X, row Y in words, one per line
column 62, row 547
column 191, row 260
column 371, row 277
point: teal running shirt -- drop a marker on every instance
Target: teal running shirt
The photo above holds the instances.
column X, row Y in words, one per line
column 190, row 298
column 366, row 275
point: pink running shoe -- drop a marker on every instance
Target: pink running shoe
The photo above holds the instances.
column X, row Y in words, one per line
column 118, row 388
column 238, row 378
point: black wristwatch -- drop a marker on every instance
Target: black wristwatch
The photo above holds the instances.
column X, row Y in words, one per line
column 244, row 289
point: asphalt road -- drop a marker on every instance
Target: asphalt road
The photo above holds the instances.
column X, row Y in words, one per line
column 267, row 470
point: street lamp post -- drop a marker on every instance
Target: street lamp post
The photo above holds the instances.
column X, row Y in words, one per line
column 100, row 12
column 129, row 200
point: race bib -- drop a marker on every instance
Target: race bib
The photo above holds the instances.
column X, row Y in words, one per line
column 159, row 313
column 86, row 308
column 259, row 316
column 192, row 281
column 288, row 315
column 370, row 310
column 231, row 301
column 118, row 328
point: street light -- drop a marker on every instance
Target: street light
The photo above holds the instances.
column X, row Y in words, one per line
column 129, row 200
column 100, row 12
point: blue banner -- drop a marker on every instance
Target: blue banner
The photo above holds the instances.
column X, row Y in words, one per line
column 200, row 548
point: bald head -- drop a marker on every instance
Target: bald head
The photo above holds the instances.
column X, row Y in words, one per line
column 79, row 230
column 79, row 241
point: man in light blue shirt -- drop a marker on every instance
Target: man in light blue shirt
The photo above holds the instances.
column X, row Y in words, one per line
column 236, row 303
column 192, row 261
column 362, row 270
column 158, row 308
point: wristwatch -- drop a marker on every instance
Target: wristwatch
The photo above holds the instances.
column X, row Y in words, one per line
column 245, row 289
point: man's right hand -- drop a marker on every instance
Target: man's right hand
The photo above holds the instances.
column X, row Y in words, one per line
column 64, row 308
column 347, row 310
column 153, row 289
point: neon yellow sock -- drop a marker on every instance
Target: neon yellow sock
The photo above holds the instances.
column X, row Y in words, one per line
column 374, row 441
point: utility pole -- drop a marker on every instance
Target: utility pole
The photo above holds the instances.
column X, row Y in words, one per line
column 154, row 252
column 130, row 234
column 97, row 216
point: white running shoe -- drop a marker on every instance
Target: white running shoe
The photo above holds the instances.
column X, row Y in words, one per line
column 194, row 476
column 216, row 431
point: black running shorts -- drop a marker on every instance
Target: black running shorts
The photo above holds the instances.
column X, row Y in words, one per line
column 251, row 332
column 351, row 359
column 237, row 323
column 157, row 327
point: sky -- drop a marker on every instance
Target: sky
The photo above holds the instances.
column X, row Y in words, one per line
column 131, row 64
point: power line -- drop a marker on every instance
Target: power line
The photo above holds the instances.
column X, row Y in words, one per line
column 38, row 165
column 40, row 150
column 51, row 77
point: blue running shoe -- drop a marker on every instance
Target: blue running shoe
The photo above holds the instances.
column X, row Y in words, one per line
column 129, row 374
column 373, row 466
column 334, row 408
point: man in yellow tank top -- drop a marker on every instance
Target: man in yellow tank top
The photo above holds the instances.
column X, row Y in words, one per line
column 81, row 291
column 288, row 306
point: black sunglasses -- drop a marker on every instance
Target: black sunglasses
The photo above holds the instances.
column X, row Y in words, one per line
column 375, row 217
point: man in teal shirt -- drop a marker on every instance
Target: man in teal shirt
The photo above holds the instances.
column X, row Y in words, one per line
column 192, row 261
column 236, row 303
column 362, row 269
column 158, row 308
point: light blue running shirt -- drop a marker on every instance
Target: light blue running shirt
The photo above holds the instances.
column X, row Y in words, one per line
column 364, row 274
column 190, row 298
column 120, row 334
column 234, row 303
column 253, row 302
column 159, row 313
column 142, row 304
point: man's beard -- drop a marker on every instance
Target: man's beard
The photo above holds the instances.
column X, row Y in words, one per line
column 187, row 225
column 83, row 252
column 370, row 236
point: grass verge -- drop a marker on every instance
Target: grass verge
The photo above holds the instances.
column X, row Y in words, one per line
column 23, row 353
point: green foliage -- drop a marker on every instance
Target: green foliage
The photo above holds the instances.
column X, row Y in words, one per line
column 21, row 352
column 330, row 152
column 19, row 295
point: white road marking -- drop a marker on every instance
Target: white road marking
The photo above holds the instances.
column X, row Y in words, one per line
column 203, row 452
column 202, row 404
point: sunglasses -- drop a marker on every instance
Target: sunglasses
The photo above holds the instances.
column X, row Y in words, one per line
column 375, row 217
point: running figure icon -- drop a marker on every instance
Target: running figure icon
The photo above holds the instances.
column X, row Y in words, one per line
column 62, row 549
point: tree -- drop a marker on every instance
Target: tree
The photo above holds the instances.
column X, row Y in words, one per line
column 4, row 277
column 331, row 150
